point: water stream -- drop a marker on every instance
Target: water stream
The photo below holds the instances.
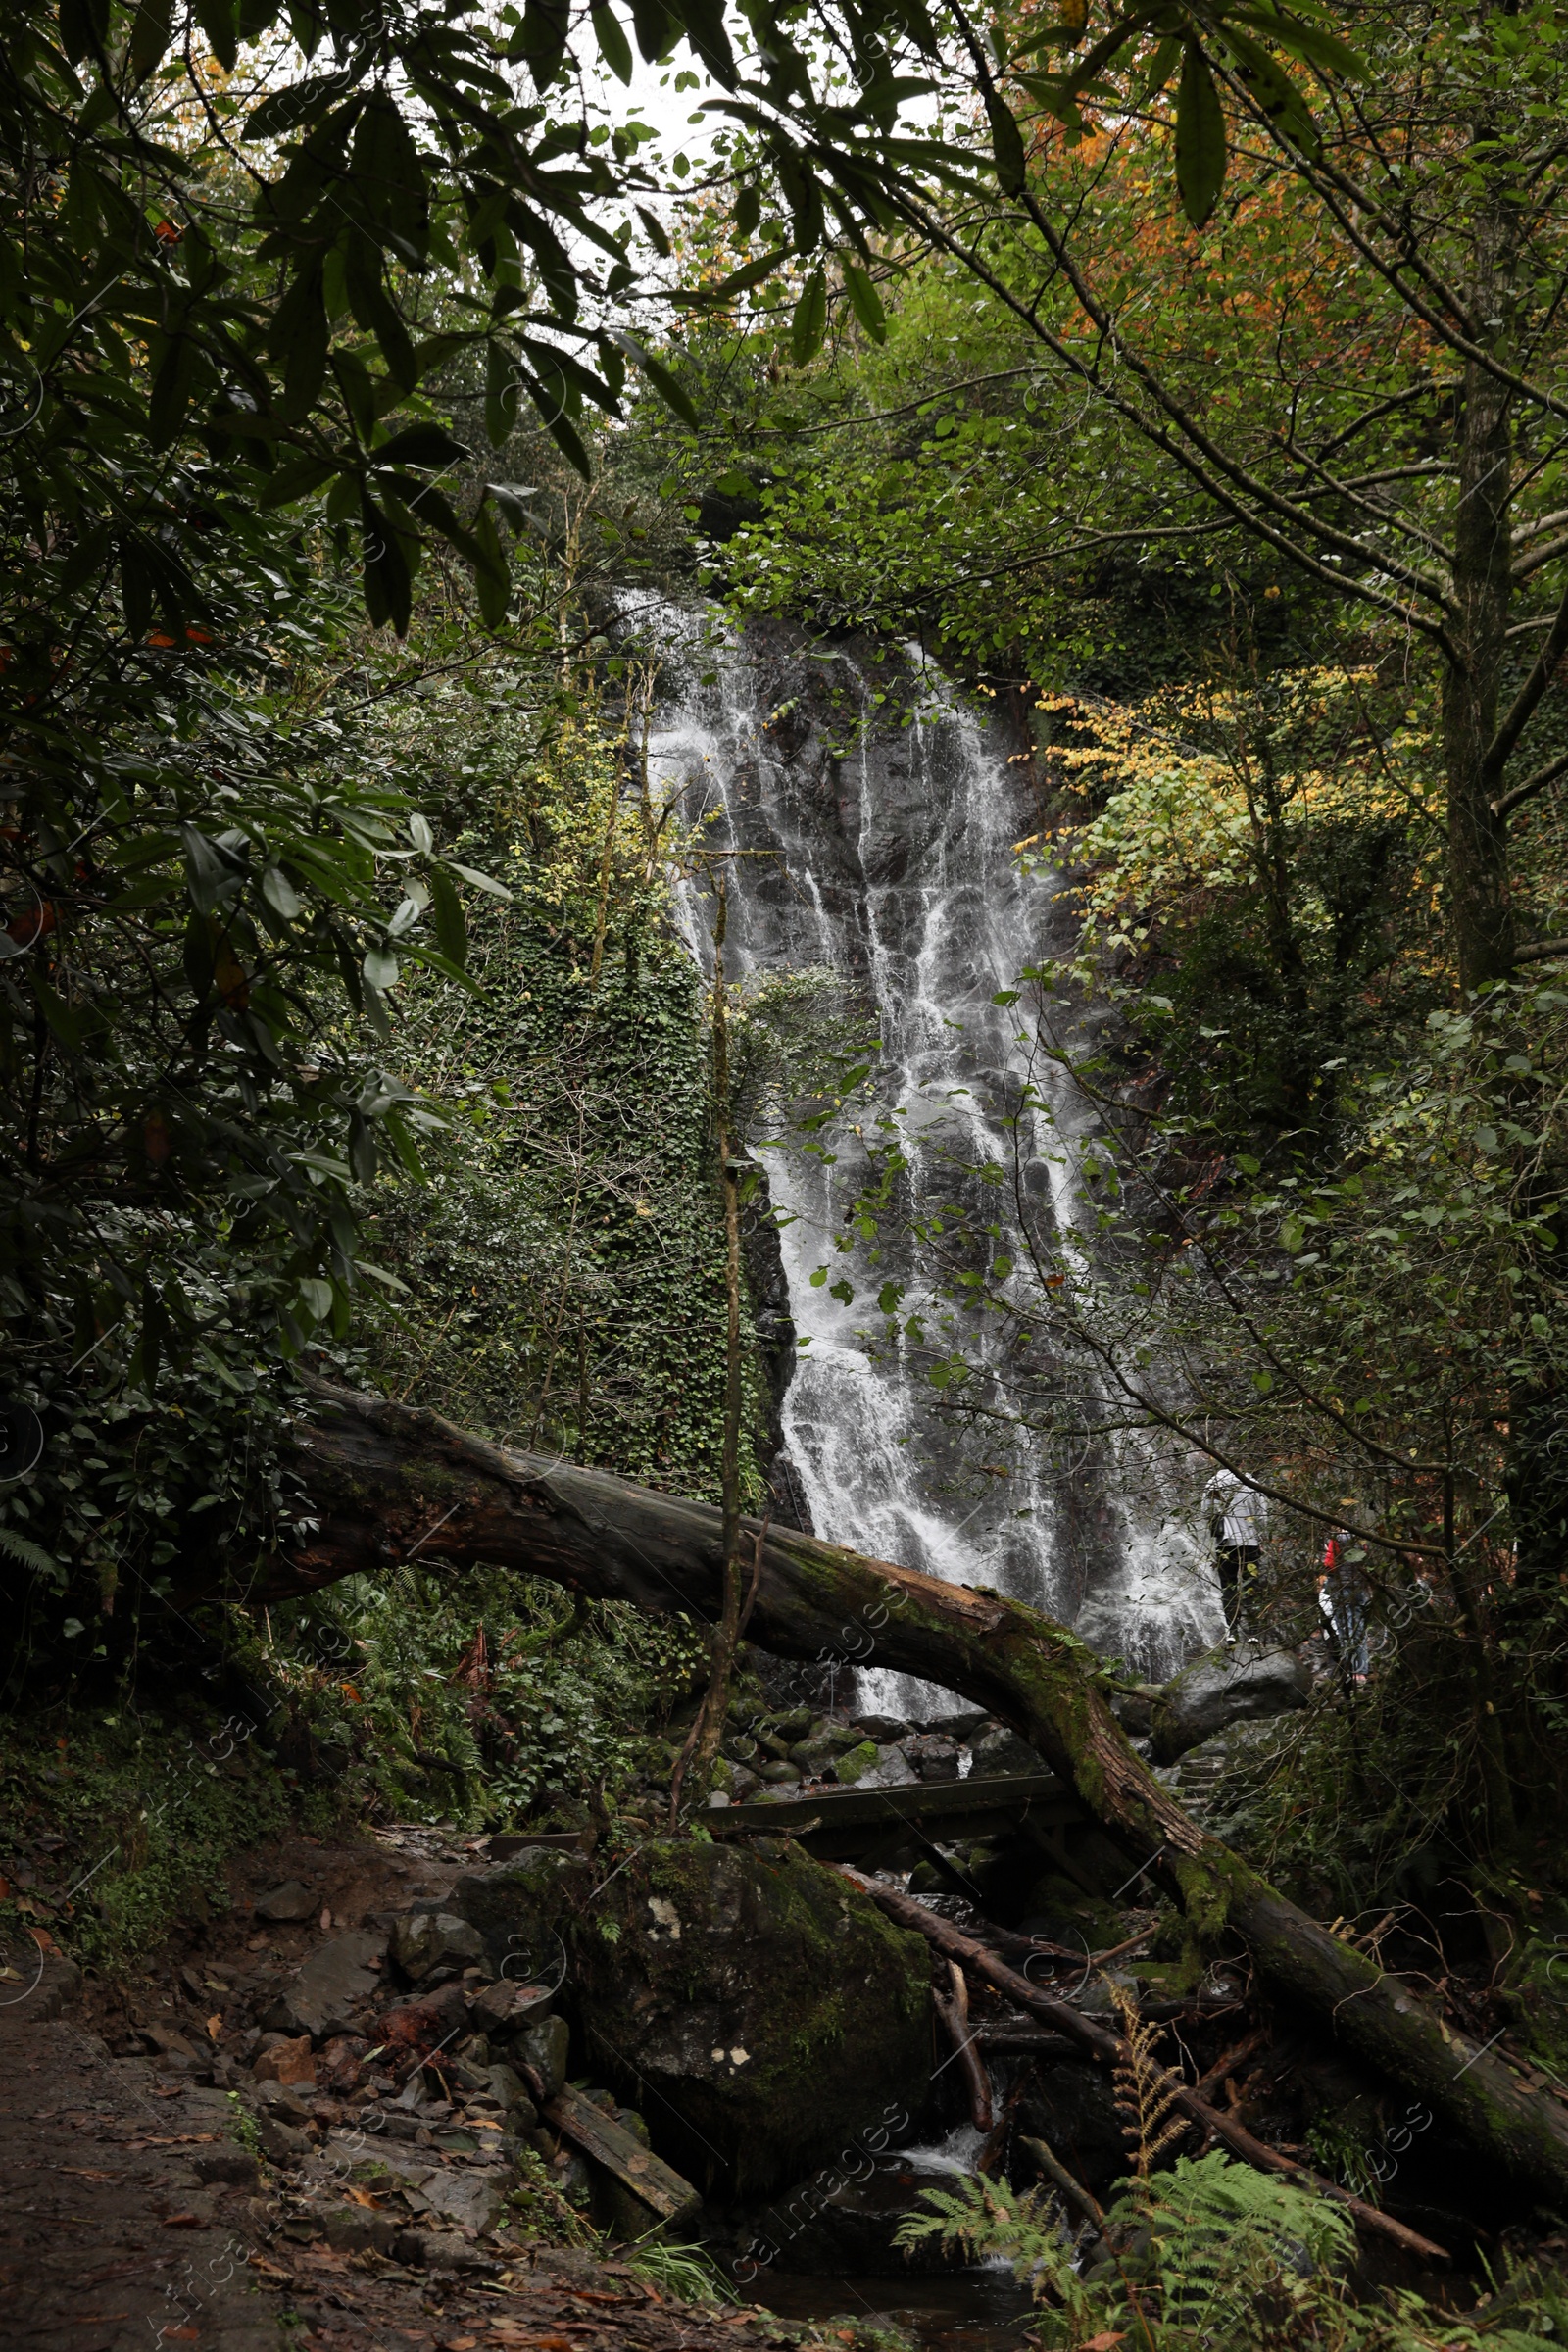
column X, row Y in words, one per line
column 867, row 815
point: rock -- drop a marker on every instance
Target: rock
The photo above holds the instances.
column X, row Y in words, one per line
column 1244, row 1685
column 287, row 2062
column 760, row 2004
column 999, row 1751
column 883, row 1729
column 935, row 1757
column 778, row 1769
column 475, row 2200
column 280, row 2143
column 358, row 2229
column 332, row 1986
column 379, row 2162
column 544, row 2048
column 828, row 1741
column 506, row 2088
column 432, row 2250
column 423, row 2024
column 510, row 1902
column 233, row 2168
column 425, row 1940
column 290, row 1901
column 338, row 2067
column 492, row 2009
column 282, row 2102
column 855, row 1762
column 166, row 2043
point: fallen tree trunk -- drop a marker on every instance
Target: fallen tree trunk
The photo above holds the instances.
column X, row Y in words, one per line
column 388, row 1483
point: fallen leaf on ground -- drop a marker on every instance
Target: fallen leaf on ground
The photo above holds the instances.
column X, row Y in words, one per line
column 184, row 2220
column 83, row 2172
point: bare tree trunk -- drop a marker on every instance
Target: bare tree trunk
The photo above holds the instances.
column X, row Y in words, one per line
column 382, row 1479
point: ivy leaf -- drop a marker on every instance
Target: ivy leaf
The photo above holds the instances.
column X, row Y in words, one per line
column 1200, row 154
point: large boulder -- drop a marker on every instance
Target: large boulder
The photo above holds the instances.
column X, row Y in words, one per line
column 751, row 2002
column 1242, row 1685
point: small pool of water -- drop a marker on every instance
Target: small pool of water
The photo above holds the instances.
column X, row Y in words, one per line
column 962, row 2311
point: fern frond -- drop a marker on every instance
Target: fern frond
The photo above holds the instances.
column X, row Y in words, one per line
column 1147, row 2090
column 27, row 1553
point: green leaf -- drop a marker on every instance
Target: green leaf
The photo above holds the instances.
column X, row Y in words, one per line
column 83, row 24
column 380, row 967
column 559, row 426
column 654, row 230
column 613, row 46
column 656, row 31
column 298, row 480
column 542, row 40
column 1006, row 145
column 316, row 1296
column 420, row 445
column 150, row 35
column 865, row 302
column 216, row 19
column 485, row 882
column 492, row 575
column 451, row 924
column 670, row 391
column 280, row 895
column 300, row 103
column 512, row 498
column 1200, row 154
column 809, row 325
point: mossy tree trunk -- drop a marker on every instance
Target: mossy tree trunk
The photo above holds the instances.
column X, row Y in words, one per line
column 386, row 1478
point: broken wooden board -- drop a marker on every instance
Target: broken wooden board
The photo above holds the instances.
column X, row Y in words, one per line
column 655, row 2183
column 837, row 1824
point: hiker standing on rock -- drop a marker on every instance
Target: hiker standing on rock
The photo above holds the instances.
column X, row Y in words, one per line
column 1234, row 1511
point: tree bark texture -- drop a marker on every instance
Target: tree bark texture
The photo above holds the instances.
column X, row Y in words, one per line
column 388, row 1480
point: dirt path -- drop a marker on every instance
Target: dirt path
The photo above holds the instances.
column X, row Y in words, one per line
column 135, row 2211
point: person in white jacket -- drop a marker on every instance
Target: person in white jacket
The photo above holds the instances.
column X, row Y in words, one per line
column 1234, row 1511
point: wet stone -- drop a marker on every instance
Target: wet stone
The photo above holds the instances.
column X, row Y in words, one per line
column 293, row 1901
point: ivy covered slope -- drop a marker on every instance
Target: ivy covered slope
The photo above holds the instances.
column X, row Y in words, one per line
column 564, row 1260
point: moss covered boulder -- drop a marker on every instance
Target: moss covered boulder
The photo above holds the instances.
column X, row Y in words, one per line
column 749, row 2001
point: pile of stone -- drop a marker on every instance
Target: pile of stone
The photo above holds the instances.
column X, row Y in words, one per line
column 398, row 2081
column 790, row 1755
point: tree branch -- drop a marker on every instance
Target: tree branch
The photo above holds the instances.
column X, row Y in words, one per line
column 1498, row 751
column 1507, row 802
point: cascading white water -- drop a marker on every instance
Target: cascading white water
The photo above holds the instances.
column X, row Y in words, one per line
column 882, row 852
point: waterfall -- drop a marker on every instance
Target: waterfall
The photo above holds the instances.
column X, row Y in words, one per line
column 866, row 817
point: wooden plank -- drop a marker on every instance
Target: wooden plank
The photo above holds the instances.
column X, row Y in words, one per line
column 951, row 1807
column 657, row 2184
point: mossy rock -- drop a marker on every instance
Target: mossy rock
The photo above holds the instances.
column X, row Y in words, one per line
column 752, row 2003
column 855, row 1762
